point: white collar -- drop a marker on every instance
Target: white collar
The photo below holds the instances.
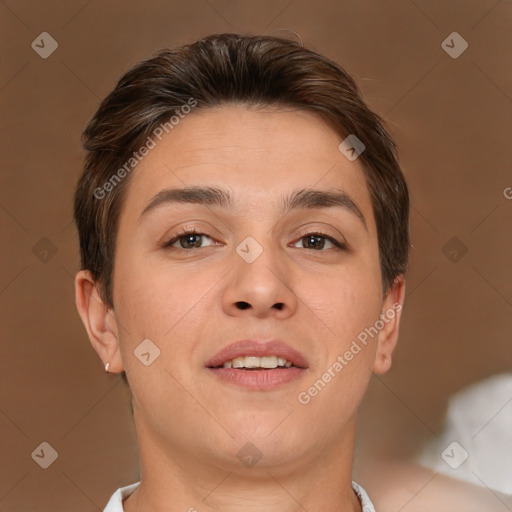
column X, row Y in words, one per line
column 115, row 503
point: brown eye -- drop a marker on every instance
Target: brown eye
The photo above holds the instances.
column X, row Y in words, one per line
column 317, row 241
column 187, row 240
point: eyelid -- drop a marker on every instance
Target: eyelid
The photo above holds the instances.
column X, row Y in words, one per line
column 325, row 232
column 196, row 228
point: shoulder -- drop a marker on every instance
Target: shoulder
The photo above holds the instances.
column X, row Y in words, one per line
column 477, row 422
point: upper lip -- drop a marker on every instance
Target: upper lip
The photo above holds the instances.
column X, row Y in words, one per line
column 260, row 349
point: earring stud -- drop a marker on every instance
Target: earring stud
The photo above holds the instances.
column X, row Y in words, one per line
column 106, row 367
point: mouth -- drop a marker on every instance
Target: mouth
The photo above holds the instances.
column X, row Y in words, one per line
column 258, row 365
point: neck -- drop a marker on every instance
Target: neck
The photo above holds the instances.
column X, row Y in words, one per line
column 172, row 480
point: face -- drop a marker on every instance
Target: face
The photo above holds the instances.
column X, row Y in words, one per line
column 252, row 270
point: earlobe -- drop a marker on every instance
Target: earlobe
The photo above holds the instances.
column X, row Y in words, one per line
column 390, row 321
column 99, row 321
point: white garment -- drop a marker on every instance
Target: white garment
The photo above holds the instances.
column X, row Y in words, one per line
column 115, row 503
column 476, row 444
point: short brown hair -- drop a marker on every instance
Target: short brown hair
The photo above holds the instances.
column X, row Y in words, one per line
column 231, row 68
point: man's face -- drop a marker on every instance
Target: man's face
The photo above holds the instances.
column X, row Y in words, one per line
column 207, row 291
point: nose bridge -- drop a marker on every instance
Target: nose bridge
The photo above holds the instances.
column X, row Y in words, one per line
column 259, row 258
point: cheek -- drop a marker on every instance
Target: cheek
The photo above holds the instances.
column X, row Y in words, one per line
column 151, row 300
column 343, row 368
column 344, row 303
column 162, row 302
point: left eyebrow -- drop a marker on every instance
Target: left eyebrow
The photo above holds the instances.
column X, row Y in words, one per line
column 222, row 198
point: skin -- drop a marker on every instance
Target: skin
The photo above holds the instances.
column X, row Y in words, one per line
column 190, row 425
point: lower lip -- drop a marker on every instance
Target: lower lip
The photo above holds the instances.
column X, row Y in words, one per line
column 260, row 380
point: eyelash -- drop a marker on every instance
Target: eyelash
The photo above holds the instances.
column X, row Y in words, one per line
column 339, row 246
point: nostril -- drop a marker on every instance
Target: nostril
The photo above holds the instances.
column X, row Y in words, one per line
column 243, row 305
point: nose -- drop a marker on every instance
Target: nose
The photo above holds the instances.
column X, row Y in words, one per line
column 261, row 288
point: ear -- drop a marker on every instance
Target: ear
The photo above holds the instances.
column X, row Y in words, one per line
column 390, row 317
column 99, row 321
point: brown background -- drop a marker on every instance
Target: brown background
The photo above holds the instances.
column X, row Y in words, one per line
column 451, row 119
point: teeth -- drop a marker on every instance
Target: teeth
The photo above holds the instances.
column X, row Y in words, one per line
column 252, row 362
column 257, row 362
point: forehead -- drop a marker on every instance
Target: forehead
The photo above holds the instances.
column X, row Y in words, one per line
column 259, row 155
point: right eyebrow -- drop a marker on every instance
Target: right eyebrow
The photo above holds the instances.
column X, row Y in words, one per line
column 212, row 196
